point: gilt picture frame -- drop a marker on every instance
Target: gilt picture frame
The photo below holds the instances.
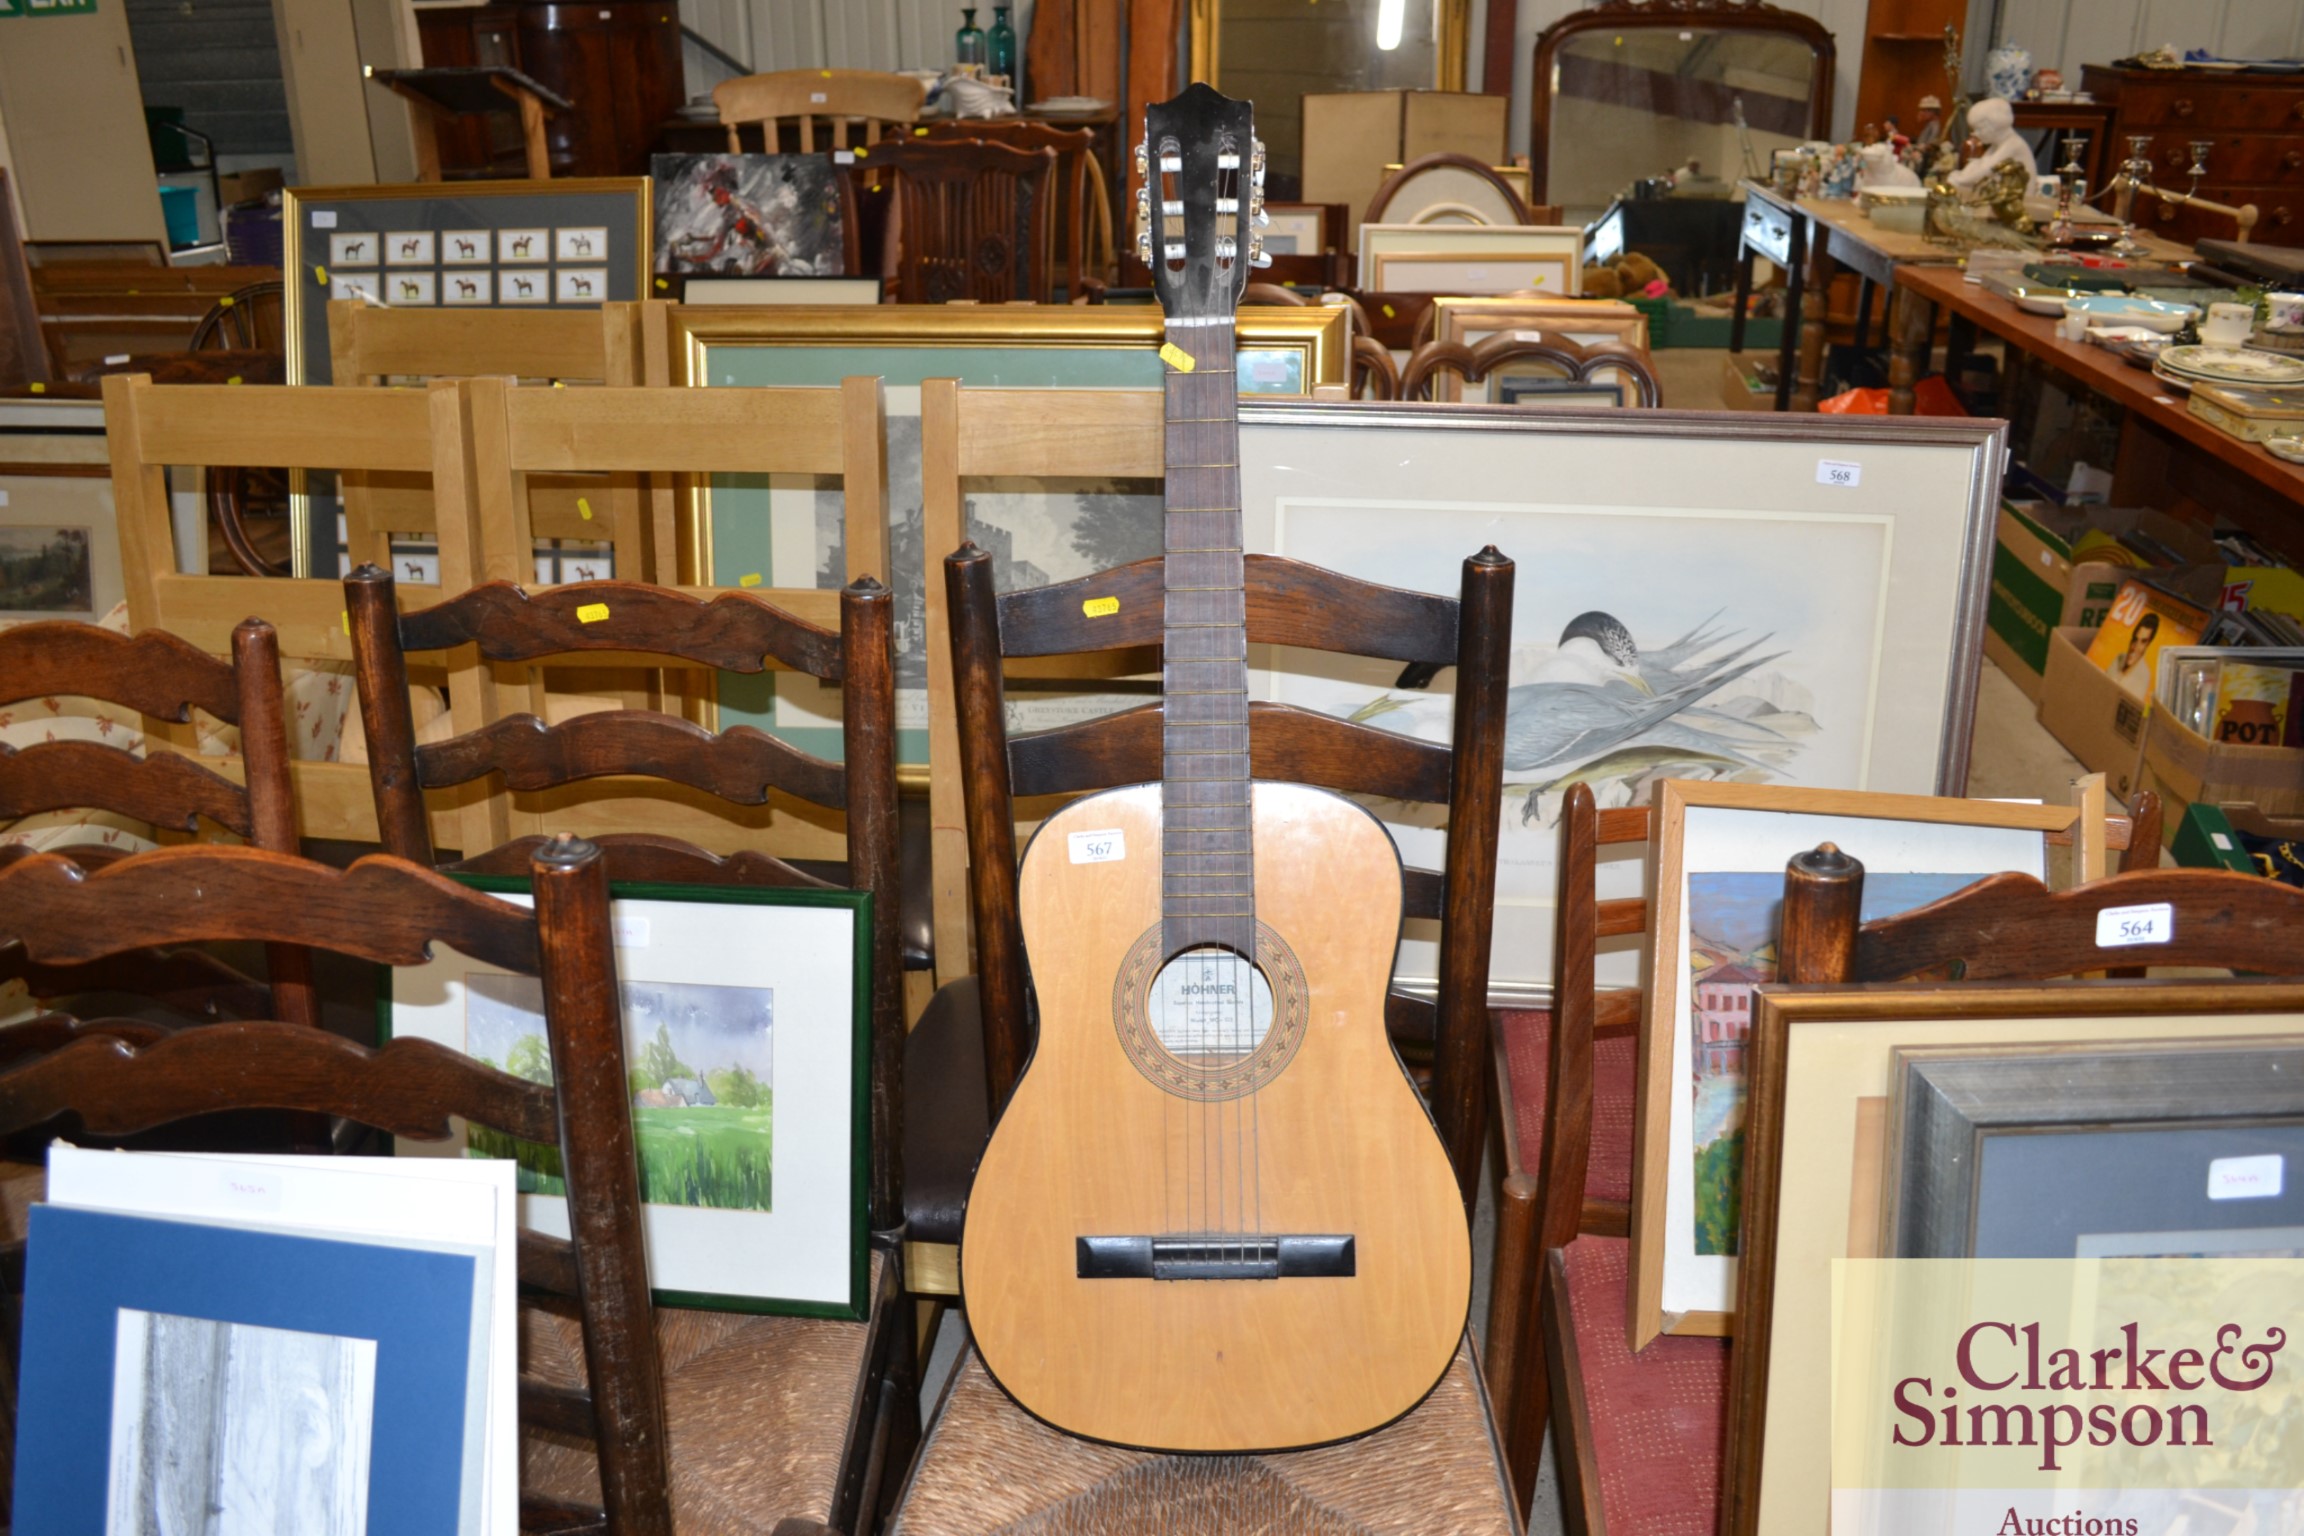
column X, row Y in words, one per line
column 1698, row 540
column 1716, row 883
column 1472, row 258
column 750, row 1094
column 782, row 528
column 1824, row 1062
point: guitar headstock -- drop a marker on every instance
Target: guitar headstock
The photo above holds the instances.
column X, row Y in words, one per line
column 1200, row 202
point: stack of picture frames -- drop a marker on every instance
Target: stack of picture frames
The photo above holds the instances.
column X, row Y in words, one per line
column 1788, row 1138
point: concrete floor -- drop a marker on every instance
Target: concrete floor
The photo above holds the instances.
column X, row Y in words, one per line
column 2011, row 758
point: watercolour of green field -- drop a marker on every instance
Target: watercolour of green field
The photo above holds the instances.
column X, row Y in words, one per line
column 700, row 1066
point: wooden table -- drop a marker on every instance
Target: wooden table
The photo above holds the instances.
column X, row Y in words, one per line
column 2168, row 457
column 462, row 90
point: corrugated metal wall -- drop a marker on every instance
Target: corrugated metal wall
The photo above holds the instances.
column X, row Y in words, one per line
column 219, row 60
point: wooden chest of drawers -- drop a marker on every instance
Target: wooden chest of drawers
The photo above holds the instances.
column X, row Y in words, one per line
column 2253, row 126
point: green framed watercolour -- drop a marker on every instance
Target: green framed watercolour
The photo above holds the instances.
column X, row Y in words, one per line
column 747, row 1045
column 786, row 529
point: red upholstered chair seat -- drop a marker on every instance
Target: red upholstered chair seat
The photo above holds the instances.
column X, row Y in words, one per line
column 1654, row 1420
column 1526, row 1035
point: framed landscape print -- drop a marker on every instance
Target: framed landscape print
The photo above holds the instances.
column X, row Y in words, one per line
column 1737, row 608
column 1717, row 889
column 1825, row 1068
column 1472, row 258
column 785, row 529
column 59, row 537
column 746, row 1021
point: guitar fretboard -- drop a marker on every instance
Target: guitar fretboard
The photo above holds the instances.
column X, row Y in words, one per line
column 1206, row 862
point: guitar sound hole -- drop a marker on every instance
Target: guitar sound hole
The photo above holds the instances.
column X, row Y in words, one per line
column 1210, row 1005
column 1207, row 1024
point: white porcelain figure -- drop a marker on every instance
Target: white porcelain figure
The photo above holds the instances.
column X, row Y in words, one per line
column 1994, row 121
column 1878, row 166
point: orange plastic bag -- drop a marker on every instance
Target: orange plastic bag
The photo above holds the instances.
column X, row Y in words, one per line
column 1930, row 397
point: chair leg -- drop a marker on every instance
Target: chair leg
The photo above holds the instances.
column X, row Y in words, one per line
column 1513, row 1357
column 1572, row 1462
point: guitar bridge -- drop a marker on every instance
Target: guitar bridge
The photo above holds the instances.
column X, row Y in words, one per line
column 1216, row 1257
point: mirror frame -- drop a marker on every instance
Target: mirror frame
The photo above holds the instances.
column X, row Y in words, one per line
column 1451, row 45
column 1692, row 15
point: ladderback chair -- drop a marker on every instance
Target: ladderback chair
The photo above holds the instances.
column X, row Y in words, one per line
column 1633, row 374
column 149, row 428
column 162, row 677
column 858, row 106
column 1444, row 1452
column 1088, row 238
column 972, row 218
column 1633, row 1434
column 391, row 912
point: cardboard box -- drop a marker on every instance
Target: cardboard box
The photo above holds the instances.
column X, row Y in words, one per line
column 248, row 186
column 1350, row 136
column 2036, row 587
column 2185, row 768
column 1739, row 390
column 2099, row 722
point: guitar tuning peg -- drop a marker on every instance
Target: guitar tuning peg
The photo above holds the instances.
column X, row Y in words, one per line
column 1143, row 159
column 1256, row 256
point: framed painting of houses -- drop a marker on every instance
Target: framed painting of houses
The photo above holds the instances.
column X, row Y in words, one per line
column 785, row 529
column 1790, row 600
column 747, row 1050
column 1717, row 891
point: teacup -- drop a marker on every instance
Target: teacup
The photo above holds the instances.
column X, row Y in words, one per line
column 2228, row 325
column 2284, row 309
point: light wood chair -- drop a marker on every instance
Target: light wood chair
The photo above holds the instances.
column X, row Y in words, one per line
column 149, row 428
column 373, row 345
column 858, row 105
column 678, row 438
column 1557, row 1349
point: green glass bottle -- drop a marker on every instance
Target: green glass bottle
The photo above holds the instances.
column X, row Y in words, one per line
column 968, row 43
column 1002, row 44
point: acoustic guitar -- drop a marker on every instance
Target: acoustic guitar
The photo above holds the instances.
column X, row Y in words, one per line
column 1214, row 1215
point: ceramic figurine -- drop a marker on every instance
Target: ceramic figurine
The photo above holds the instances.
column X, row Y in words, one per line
column 2008, row 69
column 1931, row 125
column 1993, row 123
column 1877, row 166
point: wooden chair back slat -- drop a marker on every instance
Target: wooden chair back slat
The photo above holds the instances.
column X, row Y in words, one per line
column 208, row 424
column 740, row 766
column 734, row 631
column 380, row 909
column 643, row 858
column 838, row 96
column 702, row 431
column 165, row 788
column 191, row 982
column 2011, row 926
column 369, row 343
column 409, row 1087
column 49, row 1032
column 1292, row 745
column 1052, row 432
column 1289, row 603
column 153, row 673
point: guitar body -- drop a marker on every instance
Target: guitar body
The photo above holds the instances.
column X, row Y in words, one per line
column 1315, row 1131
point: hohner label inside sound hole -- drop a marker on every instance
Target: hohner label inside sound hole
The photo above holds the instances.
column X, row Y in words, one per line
column 1209, row 1025
column 1210, row 1003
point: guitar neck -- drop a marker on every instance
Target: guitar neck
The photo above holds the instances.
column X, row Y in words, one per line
column 1207, row 869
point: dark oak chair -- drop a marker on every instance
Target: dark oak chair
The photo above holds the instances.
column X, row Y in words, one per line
column 1088, row 237
column 973, row 219
column 965, row 1478
column 1631, row 371
column 843, row 1410
column 250, row 319
column 162, row 677
column 389, row 911
column 1634, row 1435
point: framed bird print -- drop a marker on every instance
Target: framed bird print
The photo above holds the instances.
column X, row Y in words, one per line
column 1791, row 600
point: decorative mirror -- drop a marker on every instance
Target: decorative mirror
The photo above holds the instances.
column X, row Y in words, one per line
column 1275, row 52
column 1631, row 90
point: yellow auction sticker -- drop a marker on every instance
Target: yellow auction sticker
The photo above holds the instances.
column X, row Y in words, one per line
column 1176, row 357
column 591, row 613
column 1098, row 607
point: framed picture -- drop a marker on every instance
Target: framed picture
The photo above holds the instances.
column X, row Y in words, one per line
column 1542, row 389
column 1472, row 258
column 1586, row 322
column 746, row 1020
column 1824, row 1066
column 1821, row 638
column 785, row 291
column 1303, row 229
column 1717, row 889
column 727, row 215
column 433, row 234
column 59, row 537
column 785, row 529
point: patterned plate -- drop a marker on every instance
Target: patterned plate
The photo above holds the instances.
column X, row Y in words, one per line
column 2230, row 365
